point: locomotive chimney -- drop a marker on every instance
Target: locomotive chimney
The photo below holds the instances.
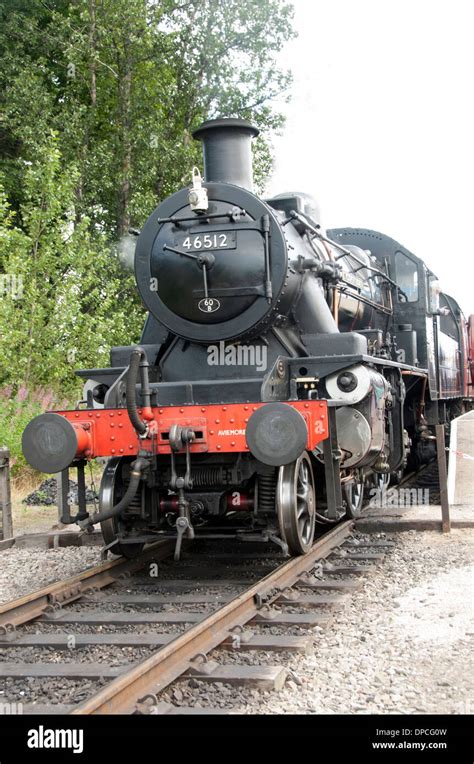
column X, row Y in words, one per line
column 227, row 150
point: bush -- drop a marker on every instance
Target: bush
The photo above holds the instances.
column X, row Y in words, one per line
column 16, row 410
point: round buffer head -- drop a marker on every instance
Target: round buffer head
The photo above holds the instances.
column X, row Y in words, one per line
column 49, row 443
column 276, row 434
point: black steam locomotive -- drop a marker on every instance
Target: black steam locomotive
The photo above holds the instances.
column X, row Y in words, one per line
column 282, row 369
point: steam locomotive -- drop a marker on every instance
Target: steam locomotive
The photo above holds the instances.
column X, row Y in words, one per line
column 282, row 369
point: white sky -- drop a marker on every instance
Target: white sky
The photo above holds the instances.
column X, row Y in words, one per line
column 380, row 128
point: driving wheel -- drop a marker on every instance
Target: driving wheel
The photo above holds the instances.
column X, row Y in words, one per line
column 296, row 504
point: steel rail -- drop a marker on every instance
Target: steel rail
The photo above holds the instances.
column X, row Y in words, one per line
column 33, row 605
column 171, row 661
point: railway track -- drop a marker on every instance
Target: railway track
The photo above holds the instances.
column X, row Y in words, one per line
column 137, row 633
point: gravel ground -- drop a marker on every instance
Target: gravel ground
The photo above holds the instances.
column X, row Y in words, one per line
column 402, row 644
column 25, row 570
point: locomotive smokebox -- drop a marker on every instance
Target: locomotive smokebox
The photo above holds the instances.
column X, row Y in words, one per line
column 227, row 151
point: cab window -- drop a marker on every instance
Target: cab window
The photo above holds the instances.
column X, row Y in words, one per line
column 447, row 323
column 407, row 277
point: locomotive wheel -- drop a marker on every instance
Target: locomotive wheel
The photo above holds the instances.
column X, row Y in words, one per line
column 354, row 497
column 296, row 504
column 112, row 487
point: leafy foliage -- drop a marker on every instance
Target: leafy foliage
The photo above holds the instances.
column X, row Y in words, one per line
column 72, row 300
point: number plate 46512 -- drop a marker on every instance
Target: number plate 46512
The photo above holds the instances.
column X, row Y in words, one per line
column 207, row 241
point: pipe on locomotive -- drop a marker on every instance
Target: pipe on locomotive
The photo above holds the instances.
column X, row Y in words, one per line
column 314, row 314
column 138, row 467
column 139, row 361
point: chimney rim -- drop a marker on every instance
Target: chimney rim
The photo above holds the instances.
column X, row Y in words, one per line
column 223, row 122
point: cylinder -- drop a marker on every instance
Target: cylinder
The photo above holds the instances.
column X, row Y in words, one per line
column 227, row 151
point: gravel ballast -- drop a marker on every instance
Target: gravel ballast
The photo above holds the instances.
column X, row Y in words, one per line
column 402, row 643
column 25, row 570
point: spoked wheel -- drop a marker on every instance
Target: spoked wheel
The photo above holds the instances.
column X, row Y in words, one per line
column 112, row 487
column 296, row 505
column 354, row 496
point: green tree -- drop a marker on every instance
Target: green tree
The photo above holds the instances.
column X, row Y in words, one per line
column 64, row 300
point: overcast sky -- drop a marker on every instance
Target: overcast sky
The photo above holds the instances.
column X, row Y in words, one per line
column 380, row 128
